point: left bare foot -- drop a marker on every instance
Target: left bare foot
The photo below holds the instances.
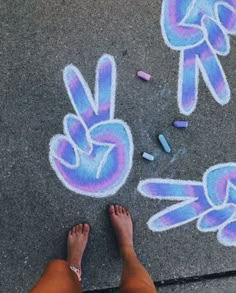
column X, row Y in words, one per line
column 76, row 244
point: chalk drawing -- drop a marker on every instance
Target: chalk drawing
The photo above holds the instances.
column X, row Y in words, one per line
column 200, row 30
column 94, row 156
column 211, row 202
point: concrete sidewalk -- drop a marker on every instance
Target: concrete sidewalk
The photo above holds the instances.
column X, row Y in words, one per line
column 39, row 38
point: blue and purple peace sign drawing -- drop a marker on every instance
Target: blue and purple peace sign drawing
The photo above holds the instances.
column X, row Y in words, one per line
column 211, row 202
column 94, row 155
column 200, row 30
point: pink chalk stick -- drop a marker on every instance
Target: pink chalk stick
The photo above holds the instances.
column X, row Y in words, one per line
column 144, row 75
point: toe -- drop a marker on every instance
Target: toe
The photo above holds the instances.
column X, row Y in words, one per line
column 86, row 229
column 80, row 228
column 123, row 210
column 120, row 209
column 73, row 230
column 116, row 209
column 111, row 210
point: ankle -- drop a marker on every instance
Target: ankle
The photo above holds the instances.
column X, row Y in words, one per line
column 74, row 262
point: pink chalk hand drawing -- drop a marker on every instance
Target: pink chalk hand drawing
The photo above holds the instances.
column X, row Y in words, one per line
column 94, row 156
column 211, row 202
column 200, row 30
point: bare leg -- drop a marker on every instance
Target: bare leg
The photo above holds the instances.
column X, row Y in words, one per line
column 135, row 278
column 58, row 277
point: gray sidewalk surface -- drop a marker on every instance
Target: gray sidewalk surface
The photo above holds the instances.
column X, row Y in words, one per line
column 38, row 39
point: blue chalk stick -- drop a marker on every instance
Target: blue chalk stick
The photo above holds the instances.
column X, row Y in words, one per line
column 164, row 143
column 181, row 124
column 148, row 157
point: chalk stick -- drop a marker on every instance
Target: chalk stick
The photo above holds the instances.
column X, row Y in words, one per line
column 144, row 75
column 181, row 124
column 164, row 143
column 148, row 157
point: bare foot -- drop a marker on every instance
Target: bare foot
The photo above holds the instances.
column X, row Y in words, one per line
column 76, row 244
column 123, row 226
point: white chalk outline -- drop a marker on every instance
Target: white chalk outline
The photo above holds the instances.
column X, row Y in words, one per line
column 215, row 228
column 95, row 106
column 198, row 64
column 220, row 237
column 187, row 200
column 184, row 201
column 162, row 23
column 167, row 181
column 230, row 7
column 229, row 183
column 94, row 102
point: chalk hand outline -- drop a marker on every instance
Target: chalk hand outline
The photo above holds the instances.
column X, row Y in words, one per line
column 211, row 202
column 94, row 155
column 200, row 30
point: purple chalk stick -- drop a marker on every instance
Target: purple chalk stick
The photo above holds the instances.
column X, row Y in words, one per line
column 181, row 124
column 144, row 75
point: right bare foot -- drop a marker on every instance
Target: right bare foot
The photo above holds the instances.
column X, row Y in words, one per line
column 123, row 226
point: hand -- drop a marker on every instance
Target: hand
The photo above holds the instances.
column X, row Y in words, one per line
column 94, row 157
column 212, row 202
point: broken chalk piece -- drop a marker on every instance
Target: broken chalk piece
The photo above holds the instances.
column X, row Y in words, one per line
column 181, row 124
column 164, row 143
column 144, row 75
column 148, row 157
